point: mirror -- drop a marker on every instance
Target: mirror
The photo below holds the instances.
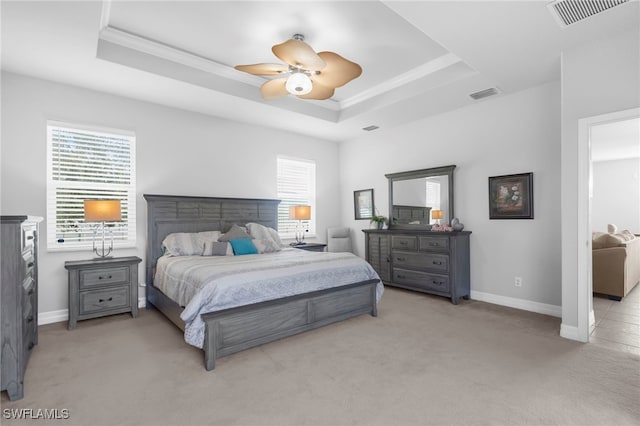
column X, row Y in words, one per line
column 416, row 197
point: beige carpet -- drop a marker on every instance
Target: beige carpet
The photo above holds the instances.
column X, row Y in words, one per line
column 421, row 361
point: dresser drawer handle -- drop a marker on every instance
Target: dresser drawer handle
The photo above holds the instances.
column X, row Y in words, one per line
column 437, row 262
column 30, row 318
column 30, row 292
column 401, row 259
column 404, row 243
column 434, row 244
column 437, row 282
column 31, row 345
column 30, row 265
column 401, row 276
column 101, row 277
column 103, row 300
column 30, row 237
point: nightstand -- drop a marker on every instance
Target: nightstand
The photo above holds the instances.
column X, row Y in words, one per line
column 311, row 247
column 100, row 287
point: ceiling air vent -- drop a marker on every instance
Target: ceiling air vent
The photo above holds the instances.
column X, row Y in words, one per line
column 484, row 93
column 370, row 128
column 567, row 12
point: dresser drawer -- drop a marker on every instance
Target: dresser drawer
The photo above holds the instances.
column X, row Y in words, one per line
column 404, row 242
column 104, row 300
column 434, row 243
column 424, row 261
column 421, row 280
column 91, row 278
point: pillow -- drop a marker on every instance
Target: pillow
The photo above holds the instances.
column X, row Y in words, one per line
column 607, row 240
column 235, row 233
column 612, row 229
column 627, row 235
column 243, row 246
column 217, row 248
column 261, row 232
column 266, row 246
column 183, row 244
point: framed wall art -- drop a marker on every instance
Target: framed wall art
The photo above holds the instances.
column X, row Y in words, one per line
column 511, row 196
column 363, row 204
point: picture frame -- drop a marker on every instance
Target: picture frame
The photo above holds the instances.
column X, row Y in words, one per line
column 511, row 196
column 363, row 204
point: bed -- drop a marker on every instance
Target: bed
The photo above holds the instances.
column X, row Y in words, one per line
column 229, row 330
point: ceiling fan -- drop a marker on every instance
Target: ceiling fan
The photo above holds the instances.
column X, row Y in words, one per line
column 309, row 75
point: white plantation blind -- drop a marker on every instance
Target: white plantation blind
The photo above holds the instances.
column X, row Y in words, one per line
column 296, row 186
column 84, row 164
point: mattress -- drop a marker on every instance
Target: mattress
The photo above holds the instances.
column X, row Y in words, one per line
column 210, row 283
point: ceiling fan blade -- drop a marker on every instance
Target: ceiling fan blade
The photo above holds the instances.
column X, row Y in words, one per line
column 338, row 72
column 263, row 69
column 274, row 89
column 298, row 53
column 319, row 92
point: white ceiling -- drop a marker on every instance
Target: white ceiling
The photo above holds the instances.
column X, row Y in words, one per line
column 418, row 58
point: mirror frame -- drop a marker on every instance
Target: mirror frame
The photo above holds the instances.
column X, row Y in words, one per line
column 415, row 174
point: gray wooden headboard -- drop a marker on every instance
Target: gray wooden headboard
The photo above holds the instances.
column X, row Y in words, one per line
column 175, row 213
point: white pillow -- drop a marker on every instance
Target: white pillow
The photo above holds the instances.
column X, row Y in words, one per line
column 261, row 232
column 188, row 243
column 266, row 245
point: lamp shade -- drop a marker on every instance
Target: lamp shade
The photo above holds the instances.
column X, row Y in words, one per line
column 102, row 211
column 300, row 212
column 436, row 214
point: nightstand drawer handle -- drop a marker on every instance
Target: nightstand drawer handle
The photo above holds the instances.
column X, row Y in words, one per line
column 30, row 265
column 433, row 244
column 403, row 243
column 109, row 277
column 30, row 237
column 402, row 276
column 437, row 282
column 437, row 262
column 401, row 259
column 30, row 292
column 31, row 345
column 30, row 318
column 108, row 300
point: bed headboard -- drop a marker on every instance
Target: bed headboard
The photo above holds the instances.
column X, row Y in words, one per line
column 175, row 213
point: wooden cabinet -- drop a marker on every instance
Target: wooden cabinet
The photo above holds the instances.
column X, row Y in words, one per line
column 430, row 262
column 100, row 287
column 19, row 333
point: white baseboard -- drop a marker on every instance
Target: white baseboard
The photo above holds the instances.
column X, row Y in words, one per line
column 63, row 314
column 53, row 316
column 570, row 332
column 526, row 305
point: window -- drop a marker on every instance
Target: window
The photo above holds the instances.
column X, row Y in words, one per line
column 296, row 186
column 88, row 163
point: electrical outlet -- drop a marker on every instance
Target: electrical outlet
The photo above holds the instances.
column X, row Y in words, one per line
column 518, row 282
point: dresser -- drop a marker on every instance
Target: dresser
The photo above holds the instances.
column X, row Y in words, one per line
column 99, row 287
column 19, row 264
column 420, row 260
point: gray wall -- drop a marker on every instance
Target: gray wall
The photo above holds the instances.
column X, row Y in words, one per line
column 178, row 153
column 505, row 135
column 616, row 195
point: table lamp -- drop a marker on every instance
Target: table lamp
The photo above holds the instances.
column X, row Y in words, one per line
column 437, row 215
column 102, row 211
column 299, row 213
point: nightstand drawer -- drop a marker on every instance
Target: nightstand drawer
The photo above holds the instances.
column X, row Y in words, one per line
column 91, row 278
column 104, row 300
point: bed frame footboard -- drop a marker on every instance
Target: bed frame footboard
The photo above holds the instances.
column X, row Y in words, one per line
column 233, row 330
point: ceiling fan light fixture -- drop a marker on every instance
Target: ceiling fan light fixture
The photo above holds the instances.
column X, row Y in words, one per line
column 299, row 83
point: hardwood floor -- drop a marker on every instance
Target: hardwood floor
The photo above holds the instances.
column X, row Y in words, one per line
column 617, row 323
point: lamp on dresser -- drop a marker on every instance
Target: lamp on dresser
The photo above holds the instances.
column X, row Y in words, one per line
column 299, row 213
column 102, row 211
column 437, row 215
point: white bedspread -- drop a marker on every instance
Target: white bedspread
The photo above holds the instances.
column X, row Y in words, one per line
column 211, row 283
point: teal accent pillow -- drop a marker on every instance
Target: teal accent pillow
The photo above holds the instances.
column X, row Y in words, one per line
column 243, row 246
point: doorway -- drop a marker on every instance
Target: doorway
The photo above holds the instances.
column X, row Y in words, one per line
column 588, row 128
